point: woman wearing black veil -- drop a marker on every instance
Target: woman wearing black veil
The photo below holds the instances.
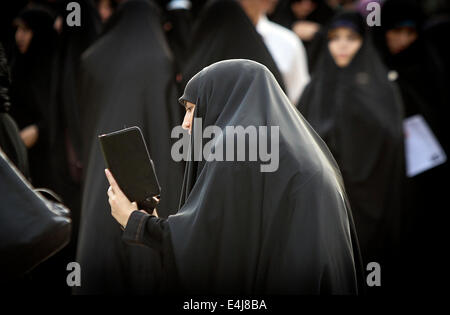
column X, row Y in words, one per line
column 241, row 230
column 424, row 88
column 128, row 79
column 356, row 110
column 31, row 87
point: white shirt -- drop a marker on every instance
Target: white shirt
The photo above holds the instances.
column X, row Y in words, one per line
column 289, row 54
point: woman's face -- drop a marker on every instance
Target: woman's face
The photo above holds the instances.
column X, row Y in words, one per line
column 303, row 8
column 187, row 122
column 343, row 44
column 23, row 37
column 400, row 38
column 105, row 9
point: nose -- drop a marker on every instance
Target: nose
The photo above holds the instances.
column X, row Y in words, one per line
column 186, row 124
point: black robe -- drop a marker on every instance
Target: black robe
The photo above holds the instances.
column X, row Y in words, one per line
column 224, row 31
column 243, row 231
column 358, row 113
column 65, row 124
column 128, row 80
column 10, row 141
column 436, row 30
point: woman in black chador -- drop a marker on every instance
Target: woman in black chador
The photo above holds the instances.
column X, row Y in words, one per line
column 355, row 109
column 31, row 87
column 240, row 230
column 127, row 79
column 424, row 87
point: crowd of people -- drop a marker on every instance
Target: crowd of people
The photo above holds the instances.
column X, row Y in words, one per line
column 354, row 86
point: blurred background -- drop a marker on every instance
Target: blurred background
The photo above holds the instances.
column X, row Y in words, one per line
column 65, row 69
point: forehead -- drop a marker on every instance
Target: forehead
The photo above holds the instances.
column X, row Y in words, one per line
column 403, row 29
column 19, row 23
column 342, row 30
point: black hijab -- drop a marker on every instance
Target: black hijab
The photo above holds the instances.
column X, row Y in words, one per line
column 128, row 80
column 243, row 231
column 357, row 112
column 224, row 31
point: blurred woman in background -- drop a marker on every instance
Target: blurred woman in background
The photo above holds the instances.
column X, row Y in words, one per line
column 128, row 79
column 31, row 86
column 355, row 109
column 307, row 19
column 424, row 84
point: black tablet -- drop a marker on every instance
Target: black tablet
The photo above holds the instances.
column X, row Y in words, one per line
column 126, row 156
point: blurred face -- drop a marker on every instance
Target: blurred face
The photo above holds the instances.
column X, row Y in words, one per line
column 23, row 37
column 303, row 8
column 269, row 6
column 253, row 9
column 400, row 38
column 105, row 9
column 188, row 117
column 343, row 44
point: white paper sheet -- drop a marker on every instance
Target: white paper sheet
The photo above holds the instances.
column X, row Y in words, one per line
column 423, row 150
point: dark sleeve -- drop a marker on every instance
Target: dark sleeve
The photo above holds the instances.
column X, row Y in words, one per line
column 146, row 229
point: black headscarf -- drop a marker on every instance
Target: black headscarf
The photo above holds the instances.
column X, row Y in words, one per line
column 224, row 31
column 128, row 80
column 243, row 231
column 357, row 112
column 40, row 20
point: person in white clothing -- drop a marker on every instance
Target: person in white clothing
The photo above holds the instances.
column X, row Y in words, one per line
column 285, row 46
column 289, row 54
